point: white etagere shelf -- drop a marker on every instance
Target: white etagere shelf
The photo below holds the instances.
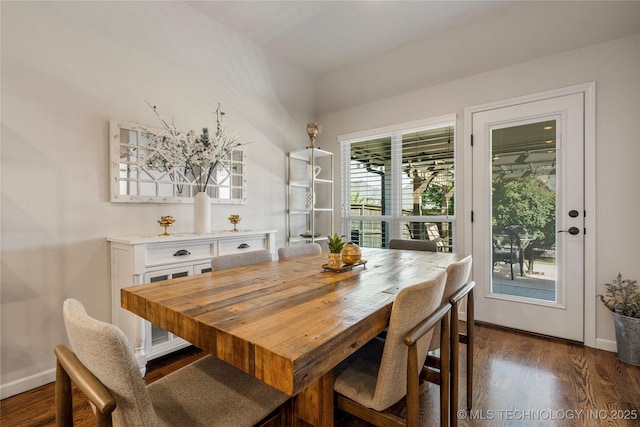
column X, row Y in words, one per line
column 309, row 195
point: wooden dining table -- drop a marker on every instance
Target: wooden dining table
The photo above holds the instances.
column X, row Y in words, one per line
column 289, row 322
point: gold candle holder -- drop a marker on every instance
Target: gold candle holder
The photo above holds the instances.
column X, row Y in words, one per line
column 166, row 221
column 234, row 219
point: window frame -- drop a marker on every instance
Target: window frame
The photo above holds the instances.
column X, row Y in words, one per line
column 395, row 219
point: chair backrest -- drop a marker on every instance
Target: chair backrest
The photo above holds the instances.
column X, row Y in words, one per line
column 107, row 353
column 413, row 245
column 239, row 260
column 298, row 250
column 457, row 276
column 412, row 305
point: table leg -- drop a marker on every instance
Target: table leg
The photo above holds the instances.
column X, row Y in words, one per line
column 313, row 406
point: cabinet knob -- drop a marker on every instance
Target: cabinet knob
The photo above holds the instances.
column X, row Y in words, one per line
column 243, row 246
column 182, row 252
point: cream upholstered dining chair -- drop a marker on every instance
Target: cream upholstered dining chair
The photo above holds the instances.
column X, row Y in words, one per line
column 205, row 393
column 298, row 250
column 455, row 289
column 223, row 262
column 382, row 372
column 413, row 245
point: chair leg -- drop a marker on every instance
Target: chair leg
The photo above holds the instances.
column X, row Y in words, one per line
column 412, row 397
column 63, row 398
column 470, row 342
column 445, row 370
column 454, row 366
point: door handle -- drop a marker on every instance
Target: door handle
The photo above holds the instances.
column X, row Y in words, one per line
column 572, row 230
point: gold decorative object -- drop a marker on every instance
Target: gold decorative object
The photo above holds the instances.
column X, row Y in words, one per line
column 344, row 267
column 312, row 131
column 166, row 221
column 234, row 219
column 335, row 261
column 351, row 253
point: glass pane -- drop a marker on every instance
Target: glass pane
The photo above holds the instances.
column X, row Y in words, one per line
column 370, row 180
column 428, row 172
column 524, row 210
column 369, row 234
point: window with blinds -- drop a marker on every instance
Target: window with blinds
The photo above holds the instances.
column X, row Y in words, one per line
column 398, row 183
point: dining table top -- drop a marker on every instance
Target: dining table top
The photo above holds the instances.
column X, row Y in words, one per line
column 286, row 322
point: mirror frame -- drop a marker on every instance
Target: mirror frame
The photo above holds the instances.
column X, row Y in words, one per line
column 116, row 147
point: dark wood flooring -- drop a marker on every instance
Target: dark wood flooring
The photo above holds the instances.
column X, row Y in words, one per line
column 520, row 380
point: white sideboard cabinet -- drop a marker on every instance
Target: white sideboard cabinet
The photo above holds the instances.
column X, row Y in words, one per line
column 136, row 260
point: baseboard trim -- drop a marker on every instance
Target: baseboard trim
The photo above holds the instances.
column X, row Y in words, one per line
column 608, row 345
column 27, row 383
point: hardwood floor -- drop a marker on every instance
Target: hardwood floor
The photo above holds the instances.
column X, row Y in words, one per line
column 520, row 380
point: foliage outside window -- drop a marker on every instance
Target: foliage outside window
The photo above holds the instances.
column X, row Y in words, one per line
column 400, row 185
column 527, row 202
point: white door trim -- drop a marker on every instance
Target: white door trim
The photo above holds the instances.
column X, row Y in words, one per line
column 589, row 91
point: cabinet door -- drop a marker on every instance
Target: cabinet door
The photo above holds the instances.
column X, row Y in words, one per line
column 202, row 268
column 157, row 340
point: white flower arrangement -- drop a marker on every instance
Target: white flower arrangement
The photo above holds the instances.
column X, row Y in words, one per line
column 196, row 158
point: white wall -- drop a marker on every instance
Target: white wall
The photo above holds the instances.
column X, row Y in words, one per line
column 615, row 67
column 69, row 67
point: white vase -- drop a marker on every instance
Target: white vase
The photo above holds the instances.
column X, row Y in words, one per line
column 202, row 213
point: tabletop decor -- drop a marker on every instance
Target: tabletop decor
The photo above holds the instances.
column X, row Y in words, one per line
column 623, row 299
column 345, row 267
column 351, row 253
column 335, row 243
column 166, row 221
column 234, row 219
column 197, row 159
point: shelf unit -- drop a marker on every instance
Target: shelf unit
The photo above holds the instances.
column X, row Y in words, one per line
column 309, row 195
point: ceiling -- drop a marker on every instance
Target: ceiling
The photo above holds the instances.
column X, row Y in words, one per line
column 357, row 52
column 312, row 34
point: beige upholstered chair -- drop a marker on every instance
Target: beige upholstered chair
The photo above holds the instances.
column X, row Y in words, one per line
column 382, row 372
column 298, row 250
column 205, row 393
column 223, row 262
column 455, row 289
column 413, row 245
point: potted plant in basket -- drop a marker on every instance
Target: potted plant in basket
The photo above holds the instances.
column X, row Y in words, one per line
column 335, row 247
column 623, row 299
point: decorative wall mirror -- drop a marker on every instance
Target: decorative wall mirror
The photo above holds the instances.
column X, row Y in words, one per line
column 139, row 171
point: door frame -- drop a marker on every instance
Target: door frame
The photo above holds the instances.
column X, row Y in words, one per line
column 589, row 92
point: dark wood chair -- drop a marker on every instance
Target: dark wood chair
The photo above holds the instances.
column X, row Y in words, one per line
column 207, row 392
column 299, row 250
column 455, row 290
column 223, row 262
column 383, row 372
column 414, row 245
